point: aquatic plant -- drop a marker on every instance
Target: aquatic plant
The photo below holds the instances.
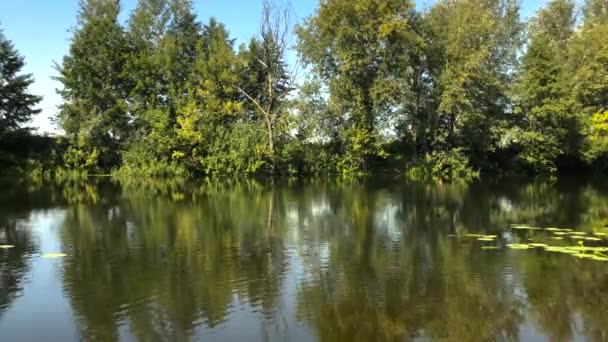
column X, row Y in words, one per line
column 53, row 255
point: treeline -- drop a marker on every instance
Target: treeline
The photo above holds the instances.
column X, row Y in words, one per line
column 462, row 87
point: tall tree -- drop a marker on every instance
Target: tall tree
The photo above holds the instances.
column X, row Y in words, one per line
column 474, row 46
column 589, row 77
column 16, row 103
column 547, row 121
column 359, row 48
column 267, row 80
column 589, row 58
column 94, row 109
column 164, row 37
column 207, row 113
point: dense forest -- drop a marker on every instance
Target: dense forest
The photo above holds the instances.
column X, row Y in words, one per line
column 459, row 88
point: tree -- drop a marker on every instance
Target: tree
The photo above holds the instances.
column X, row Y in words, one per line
column 94, row 112
column 595, row 12
column 16, row 103
column 268, row 82
column 546, row 120
column 360, row 49
column 474, row 46
column 588, row 56
column 589, row 76
column 164, row 36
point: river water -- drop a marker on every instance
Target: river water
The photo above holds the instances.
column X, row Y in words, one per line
column 379, row 259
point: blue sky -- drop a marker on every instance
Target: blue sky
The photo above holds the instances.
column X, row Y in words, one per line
column 40, row 31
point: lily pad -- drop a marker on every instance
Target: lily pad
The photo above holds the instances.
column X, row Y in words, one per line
column 599, row 258
column 481, row 236
column 518, row 246
column 54, row 255
column 560, row 233
column 556, row 238
column 543, row 245
column 587, row 249
column 561, row 250
column 523, row 227
column 584, row 256
column 490, row 247
column 554, row 229
column 592, row 239
column 577, row 233
column 6, row 246
column 489, row 239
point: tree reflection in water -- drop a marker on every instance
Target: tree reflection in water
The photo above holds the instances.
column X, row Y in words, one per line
column 342, row 261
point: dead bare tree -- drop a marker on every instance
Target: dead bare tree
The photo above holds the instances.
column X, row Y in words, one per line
column 275, row 29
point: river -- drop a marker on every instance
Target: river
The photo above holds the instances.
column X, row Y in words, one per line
column 317, row 260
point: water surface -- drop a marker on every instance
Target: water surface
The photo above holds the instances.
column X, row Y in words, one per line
column 375, row 260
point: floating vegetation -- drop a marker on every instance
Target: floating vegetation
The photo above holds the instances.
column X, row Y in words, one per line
column 524, row 227
column 481, row 236
column 539, row 240
column 489, row 239
column 6, row 246
column 553, row 229
column 54, row 255
column 561, row 250
column 591, row 238
column 583, row 249
column 518, row 246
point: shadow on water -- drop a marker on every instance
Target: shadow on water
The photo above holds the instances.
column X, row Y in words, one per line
column 326, row 260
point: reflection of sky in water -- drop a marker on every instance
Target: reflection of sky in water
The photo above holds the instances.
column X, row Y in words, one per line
column 315, row 253
column 41, row 312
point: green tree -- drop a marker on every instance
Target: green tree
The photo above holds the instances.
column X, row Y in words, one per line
column 267, row 80
column 164, row 37
column 589, row 70
column 94, row 110
column 359, row 48
column 589, row 58
column 207, row 120
column 16, row 103
column 474, row 49
column 547, row 126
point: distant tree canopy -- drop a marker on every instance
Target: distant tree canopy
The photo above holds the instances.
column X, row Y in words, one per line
column 17, row 105
column 463, row 87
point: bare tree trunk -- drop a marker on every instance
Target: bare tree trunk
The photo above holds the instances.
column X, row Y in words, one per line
column 274, row 31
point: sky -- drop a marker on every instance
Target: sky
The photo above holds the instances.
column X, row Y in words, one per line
column 40, row 30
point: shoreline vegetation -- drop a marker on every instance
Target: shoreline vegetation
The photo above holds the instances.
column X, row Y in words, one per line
column 458, row 90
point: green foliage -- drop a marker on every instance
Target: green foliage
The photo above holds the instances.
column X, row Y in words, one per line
column 16, row 103
column 475, row 44
column 361, row 50
column 445, row 93
column 94, row 108
column 239, row 150
column 597, row 152
column 443, row 166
